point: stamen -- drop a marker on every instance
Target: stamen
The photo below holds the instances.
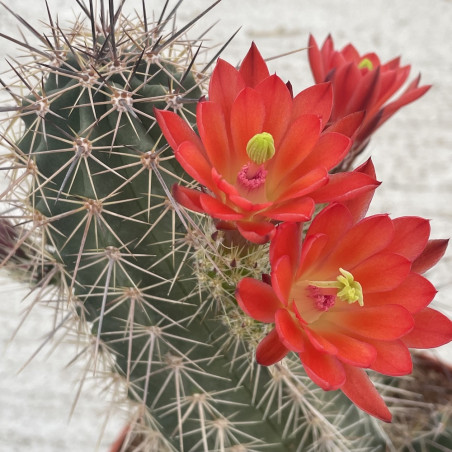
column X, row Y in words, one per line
column 260, row 148
column 365, row 63
column 348, row 289
column 321, row 301
column 252, row 176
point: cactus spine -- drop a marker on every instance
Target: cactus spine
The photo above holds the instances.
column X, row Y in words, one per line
column 93, row 217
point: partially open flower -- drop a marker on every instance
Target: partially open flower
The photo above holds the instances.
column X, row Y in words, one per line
column 261, row 153
column 362, row 83
column 349, row 296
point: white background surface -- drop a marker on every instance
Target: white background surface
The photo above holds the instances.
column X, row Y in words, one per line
column 412, row 154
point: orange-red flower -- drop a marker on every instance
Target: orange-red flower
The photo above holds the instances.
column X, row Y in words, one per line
column 261, row 155
column 349, row 296
column 362, row 83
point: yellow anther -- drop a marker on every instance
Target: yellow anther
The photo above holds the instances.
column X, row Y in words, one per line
column 349, row 290
column 365, row 63
column 260, row 148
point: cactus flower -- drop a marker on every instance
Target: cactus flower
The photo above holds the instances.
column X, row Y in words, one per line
column 347, row 297
column 362, row 83
column 260, row 155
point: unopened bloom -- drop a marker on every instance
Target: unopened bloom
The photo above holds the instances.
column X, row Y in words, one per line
column 347, row 297
column 362, row 83
column 260, row 156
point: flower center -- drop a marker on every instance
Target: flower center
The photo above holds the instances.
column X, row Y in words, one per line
column 260, row 148
column 365, row 63
column 348, row 289
column 252, row 176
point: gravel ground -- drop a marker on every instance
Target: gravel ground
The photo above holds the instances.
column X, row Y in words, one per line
column 412, row 154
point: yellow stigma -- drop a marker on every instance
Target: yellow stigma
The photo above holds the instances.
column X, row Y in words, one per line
column 260, row 148
column 349, row 289
column 365, row 63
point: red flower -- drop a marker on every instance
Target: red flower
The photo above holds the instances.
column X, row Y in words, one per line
column 261, row 153
column 362, row 83
column 349, row 296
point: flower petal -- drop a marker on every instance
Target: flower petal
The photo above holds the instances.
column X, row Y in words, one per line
column 381, row 272
column 360, row 390
column 289, row 331
column 393, row 358
column 247, row 119
column 298, row 209
column 192, row 159
column 282, row 277
column 256, row 231
column 317, row 100
column 225, row 84
column 323, row 369
column 253, row 68
column 431, row 329
column 212, row 129
column 411, row 236
column 187, row 197
column 414, row 294
column 278, row 107
column 384, row 323
column 432, row 253
column 257, row 299
column 286, row 242
column 270, row 349
column 344, row 186
column 175, row 129
column 217, row 209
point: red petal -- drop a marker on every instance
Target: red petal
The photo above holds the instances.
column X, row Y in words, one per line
column 316, row 100
column 289, row 331
column 257, row 299
column 363, row 240
column 384, row 323
column 270, row 349
column 187, row 197
column 432, row 253
column 286, row 242
column 323, row 369
column 256, row 231
column 328, row 152
column 360, row 390
column 350, row 350
column 296, row 145
column 312, row 254
column 247, row 119
column 359, row 205
column 282, row 278
column 213, row 133
column 366, row 93
column 431, row 329
column 348, row 125
column 346, row 79
column 414, row 294
column 175, row 129
column 299, row 184
column 344, row 186
column 393, row 358
column 225, row 83
column 315, row 61
column 217, row 209
column 298, row 209
column 253, row 68
column 381, row 272
column 411, row 236
column 195, row 164
column 278, row 107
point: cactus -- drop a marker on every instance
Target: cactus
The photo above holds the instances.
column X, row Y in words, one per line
column 94, row 220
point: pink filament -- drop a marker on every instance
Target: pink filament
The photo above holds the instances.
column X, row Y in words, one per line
column 252, row 178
